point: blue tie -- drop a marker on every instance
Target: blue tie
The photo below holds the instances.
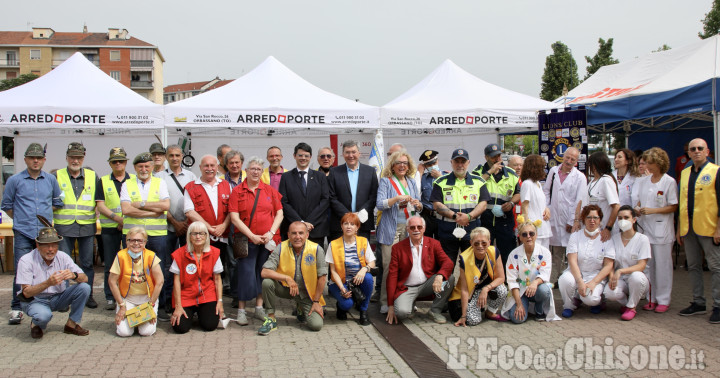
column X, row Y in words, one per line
column 302, row 180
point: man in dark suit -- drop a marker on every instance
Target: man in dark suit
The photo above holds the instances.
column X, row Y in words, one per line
column 418, row 268
column 305, row 196
column 353, row 188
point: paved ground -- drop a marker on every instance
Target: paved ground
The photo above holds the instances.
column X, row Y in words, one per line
column 346, row 349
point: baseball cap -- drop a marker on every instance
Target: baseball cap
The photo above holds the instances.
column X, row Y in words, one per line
column 460, row 153
column 35, row 150
column 117, row 154
column 75, row 149
column 492, row 150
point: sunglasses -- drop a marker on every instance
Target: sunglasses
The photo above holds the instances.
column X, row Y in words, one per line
column 413, row 228
column 528, row 234
column 700, row 148
column 326, row 156
column 402, row 163
column 477, row 244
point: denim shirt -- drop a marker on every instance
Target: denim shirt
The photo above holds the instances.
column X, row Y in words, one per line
column 28, row 197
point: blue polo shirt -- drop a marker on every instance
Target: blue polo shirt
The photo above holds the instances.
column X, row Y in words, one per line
column 28, row 197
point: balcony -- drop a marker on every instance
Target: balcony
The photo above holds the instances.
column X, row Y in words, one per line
column 9, row 63
column 141, row 84
column 141, row 65
column 57, row 62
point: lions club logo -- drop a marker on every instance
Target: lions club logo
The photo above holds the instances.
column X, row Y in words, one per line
column 309, row 259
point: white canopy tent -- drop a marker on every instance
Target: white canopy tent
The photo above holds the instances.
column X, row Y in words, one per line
column 450, row 97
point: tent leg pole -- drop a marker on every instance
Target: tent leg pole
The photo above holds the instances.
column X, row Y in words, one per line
column 715, row 131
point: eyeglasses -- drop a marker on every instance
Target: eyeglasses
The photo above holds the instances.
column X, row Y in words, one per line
column 134, row 241
column 413, row 228
column 198, row 233
column 477, row 244
column 699, row 148
column 528, row 234
column 254, row 169
column 326, row 156
column 592, row 218
column 401, row 163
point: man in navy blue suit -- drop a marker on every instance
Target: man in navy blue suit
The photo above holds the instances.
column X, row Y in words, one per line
column 353, row 188
column 305, row 196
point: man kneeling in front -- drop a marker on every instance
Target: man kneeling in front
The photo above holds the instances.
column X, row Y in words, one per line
column 418, row 268
column 42, row 275
column 296, row 270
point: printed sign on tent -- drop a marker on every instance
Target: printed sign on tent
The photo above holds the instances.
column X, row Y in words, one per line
column 558, row 131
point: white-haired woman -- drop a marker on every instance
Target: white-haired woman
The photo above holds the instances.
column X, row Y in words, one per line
column 255, row 211
column 480, row 291
column 197, row 287
column 135, row 278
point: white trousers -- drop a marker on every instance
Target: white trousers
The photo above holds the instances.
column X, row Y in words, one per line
column 660, row 273
column 145, row 329
column 629, row 290
column 545, row 242
column 568, row 291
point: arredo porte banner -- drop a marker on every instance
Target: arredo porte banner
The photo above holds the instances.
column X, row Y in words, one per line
column 560, row 130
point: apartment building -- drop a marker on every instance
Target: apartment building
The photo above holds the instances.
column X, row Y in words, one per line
column 177, row 92
column 134, row 63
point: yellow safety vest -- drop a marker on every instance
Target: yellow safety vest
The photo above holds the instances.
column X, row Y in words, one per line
column 502, row 191
column 80, row 210
column 705, row 210
column 460, row 196
column 286, row 266
column 153, row 226
column 112, row 201
column 472, row 272
column 337, row 248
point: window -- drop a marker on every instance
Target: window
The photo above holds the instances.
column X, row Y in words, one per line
column 10, row 75
column 115, row 75
column 115, row 55
column 11, row 57
column 34, row 54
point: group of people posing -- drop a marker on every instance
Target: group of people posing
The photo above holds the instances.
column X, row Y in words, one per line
column 178, row 243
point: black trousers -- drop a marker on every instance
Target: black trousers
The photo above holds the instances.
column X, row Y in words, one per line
column 206, row 317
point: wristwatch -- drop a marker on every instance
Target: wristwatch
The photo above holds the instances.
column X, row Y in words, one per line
column 608, row 228
column 76, row 276
column 142, row 204
column 454, row 216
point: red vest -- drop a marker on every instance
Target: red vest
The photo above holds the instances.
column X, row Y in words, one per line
column 196, row 287
column 200, row 199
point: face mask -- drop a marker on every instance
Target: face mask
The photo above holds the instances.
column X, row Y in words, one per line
column 592, row 233
column 497, row 211
column 363, row 215
column 134, row 255
column 459, row 232
column 624, row 224
column 434, row 168
column 270, row 246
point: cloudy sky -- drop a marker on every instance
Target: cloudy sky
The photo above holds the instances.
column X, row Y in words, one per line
column 374, row 50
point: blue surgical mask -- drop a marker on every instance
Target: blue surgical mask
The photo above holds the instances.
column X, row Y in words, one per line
column 134, row 255
column 497, row 211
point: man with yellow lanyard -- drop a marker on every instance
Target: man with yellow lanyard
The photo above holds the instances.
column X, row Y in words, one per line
column 145, row 201
column 75, row 221
column 699, row 226
column 107, row 199
column 296, row 270
column 502, row 184
column 458, row 198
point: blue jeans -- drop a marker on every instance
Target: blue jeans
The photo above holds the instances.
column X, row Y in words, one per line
column 158, row 244
column 41, row 309
column 543, row 294
column 22, row 245
column 112, row 240
column 85, row 254
column 346, row 303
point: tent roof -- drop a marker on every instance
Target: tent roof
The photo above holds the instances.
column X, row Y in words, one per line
column 450, row 94
column 76, row 94
column 672, row 82
column 270, row 95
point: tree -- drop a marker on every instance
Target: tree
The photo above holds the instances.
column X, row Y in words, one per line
column 711, row 22
column 560, row 71
column 603, row 57
column 8, row 143
column 664, row 47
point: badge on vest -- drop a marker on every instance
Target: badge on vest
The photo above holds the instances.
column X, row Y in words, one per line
column 448, row 197
column 191, row 269
column 309, row 259
column 473, row 197
column 705, row 179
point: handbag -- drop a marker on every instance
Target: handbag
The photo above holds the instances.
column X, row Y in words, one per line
column 239, row 240
column 357, row 295
column 140, row 314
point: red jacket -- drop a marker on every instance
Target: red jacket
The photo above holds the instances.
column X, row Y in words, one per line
column 200, row 199
column 196, row 287
column 434, row 261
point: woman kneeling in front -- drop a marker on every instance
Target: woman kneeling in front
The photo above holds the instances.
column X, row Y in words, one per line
column 590, row 260
column 628, row 283
column 135, row 278
column 528, row 273
column 480, row 291
column 197, row 287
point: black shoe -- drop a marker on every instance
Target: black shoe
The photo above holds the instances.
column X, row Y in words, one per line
column 302, row 318
column 540, row 317
column 64, row 309
column 364, row 319
column 715, row 317
column 226, row 291
column 375, row 297
column 91, row 303
column 163, row 315
column 341, row 314
column 235, row 303
column 693, row 309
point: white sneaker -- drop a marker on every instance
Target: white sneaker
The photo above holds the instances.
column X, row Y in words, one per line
column 15, row 317
column 384, row 309
column 242, row 318
column 259, row 313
